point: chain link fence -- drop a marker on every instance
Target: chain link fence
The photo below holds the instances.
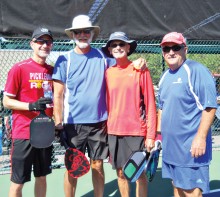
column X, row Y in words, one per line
column 13, row 50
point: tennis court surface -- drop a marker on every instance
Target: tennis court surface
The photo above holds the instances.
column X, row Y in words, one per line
column 157, row 188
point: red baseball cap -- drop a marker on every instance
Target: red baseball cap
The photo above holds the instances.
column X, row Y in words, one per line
column 174, row 37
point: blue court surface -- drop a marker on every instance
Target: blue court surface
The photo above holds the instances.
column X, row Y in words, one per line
column 157, row 188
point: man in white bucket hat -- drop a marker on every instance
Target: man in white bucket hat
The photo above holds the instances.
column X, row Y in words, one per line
column 80, row 100
column 82, row 22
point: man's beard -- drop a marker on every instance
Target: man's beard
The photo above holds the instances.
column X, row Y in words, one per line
column 83, row 45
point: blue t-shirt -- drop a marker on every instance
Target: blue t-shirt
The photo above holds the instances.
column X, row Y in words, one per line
column 183, row 95
column 85, row 88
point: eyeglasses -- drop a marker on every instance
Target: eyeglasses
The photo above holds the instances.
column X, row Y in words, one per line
column 175, row 48
column 121, row 44
column 41, row 42
column 79, row 31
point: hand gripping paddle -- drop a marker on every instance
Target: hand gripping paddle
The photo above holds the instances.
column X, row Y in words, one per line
column 135, row 165
column 42, row 131
column 153, row 160
column 75, row 161
column 140, row 161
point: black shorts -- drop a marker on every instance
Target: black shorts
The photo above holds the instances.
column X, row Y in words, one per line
column 121, row 147
column 92, row 137
column 24, row 157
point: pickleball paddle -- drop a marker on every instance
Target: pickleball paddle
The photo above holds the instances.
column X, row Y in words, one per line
column 135, row 165
column 140, row 161
column 153, row 160
column 42, row 130
column 76, row 162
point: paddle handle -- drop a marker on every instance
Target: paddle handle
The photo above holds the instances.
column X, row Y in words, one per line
column 65, row 145
column 63, row 139
column 42, row 112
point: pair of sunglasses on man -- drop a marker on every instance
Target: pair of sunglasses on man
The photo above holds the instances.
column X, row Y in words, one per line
column 174, row 48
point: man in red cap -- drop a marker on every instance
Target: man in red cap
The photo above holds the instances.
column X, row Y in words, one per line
column 187, row 105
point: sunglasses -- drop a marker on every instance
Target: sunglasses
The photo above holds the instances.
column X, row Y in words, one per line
column 175, row 48
column 121, row 44
column 41, row 42
column 79, row 31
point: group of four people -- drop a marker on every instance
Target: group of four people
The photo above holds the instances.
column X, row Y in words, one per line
column 105, row 103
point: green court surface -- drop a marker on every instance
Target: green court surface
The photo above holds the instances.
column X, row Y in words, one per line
column 157, row 188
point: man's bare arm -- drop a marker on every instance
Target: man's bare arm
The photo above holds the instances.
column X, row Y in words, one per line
column 199, row 142
column 58, row 101
column 11, row 103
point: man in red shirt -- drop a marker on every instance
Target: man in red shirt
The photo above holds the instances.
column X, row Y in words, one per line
column 22, row 94
column 131, row 109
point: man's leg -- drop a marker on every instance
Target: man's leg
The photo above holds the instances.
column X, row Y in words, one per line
column 41, row 168
column 193, row 193
column 123, row 184
column 20, row 166
column 178, row 192
column 141, row 186
column 69, row 185
column 98, row 177
column 40, row 187
column 15, row 190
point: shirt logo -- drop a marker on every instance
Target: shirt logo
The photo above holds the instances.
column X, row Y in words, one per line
column 179, row 80
column 199, row 181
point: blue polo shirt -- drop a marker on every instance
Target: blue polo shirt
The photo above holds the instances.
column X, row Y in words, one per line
column 183, row 95
column 85, row 88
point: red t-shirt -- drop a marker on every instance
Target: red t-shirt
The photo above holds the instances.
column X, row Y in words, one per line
column 24, row 82
column 131, row 102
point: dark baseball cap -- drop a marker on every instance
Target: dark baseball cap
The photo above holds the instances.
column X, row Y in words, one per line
column 40, row 31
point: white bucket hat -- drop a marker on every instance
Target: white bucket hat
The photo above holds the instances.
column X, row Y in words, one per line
column 82, row 22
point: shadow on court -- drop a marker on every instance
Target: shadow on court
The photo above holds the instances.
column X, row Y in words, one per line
column 157, row 188
column 215, row 184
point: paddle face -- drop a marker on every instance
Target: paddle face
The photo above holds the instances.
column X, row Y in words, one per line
column 153, row 160
column 76, row 163
column 42, row 130
column 135, row 165
column 142, row 160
